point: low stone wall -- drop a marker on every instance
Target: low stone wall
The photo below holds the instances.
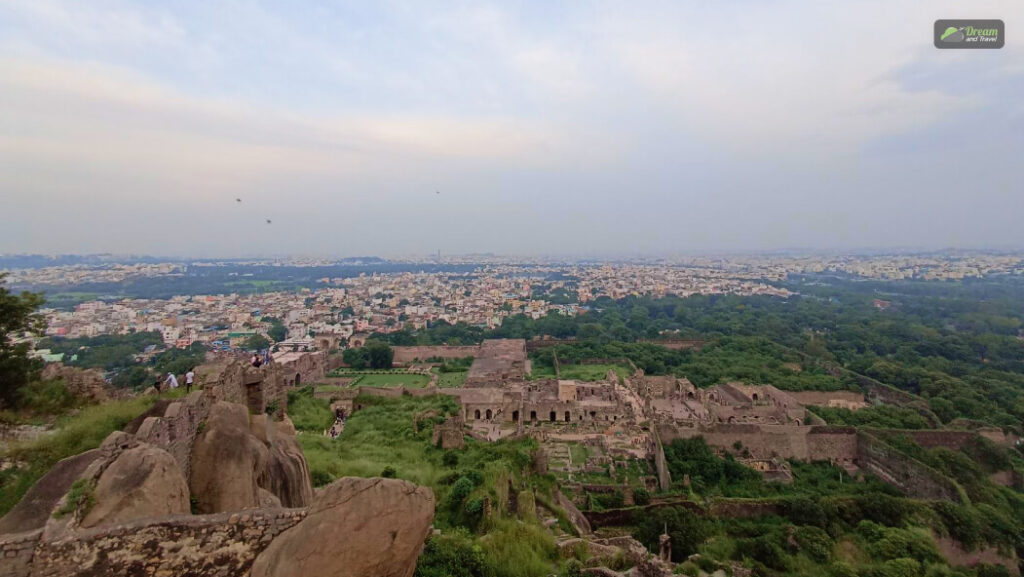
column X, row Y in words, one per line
column 406, row 355
column 16, row 551
column 221, row 545
column 746, row 509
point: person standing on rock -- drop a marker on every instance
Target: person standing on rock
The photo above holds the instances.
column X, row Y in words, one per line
column 190, row 378
column 171, row 380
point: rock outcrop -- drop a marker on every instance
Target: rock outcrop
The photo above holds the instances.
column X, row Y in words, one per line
column 141, row 482
column 85, row 383
column 226, row 458
column 355, row 527
column 35, row 507
column 236, row 455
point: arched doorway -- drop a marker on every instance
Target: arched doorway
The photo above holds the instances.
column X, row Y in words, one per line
column 476, row 414
column 298, row 379
column 515, row 416
column 567, row 416
column 552, row 416
column 533, row 415
column 488, row 414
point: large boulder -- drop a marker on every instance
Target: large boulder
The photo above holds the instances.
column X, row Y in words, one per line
column 143, row 481
column 355, row 527
column 226, row 459
column 287, row 474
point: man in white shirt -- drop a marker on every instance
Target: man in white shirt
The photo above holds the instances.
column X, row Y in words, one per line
column 190, row 377
column 171, row 380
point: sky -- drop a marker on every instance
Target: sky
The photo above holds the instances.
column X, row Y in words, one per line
column 521, row 128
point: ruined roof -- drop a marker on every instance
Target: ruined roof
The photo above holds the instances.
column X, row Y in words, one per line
column 498, row 360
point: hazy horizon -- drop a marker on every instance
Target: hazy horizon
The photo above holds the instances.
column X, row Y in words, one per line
column 605, row 129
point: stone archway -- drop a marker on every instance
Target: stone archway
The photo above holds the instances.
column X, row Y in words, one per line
column 488, row 415
column 476, row 414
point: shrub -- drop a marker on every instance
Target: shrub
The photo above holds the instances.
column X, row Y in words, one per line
column 451, row 555
column 389, row 472
column 460, row 490
column 450, row 459
column 515, row 549
column 986, row 570
column 764, row 550
column 902, row 567
column 840, row 569
column 81, row 496
column 320, row 478
column 815, row 543
column 805, row 511
column 686, row 529
column 897, row 543
column 641, row 497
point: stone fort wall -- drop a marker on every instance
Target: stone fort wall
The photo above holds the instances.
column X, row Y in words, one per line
column 406, row 355
column 836, row 444
column 220, row 545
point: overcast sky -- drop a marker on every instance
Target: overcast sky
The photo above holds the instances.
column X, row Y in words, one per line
column 597, row 128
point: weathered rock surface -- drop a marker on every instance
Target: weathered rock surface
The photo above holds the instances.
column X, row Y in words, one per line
column 226, row 459
column 287, row 473
column 35, row 507
column 144, row 481
column 355, row 528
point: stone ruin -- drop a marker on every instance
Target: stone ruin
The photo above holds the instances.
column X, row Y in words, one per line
column 213, row 485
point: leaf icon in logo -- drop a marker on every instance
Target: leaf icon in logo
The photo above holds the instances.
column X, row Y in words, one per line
column 952, row 34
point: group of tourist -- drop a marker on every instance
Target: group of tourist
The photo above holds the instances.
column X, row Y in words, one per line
column 258, row 360
column 172, row 381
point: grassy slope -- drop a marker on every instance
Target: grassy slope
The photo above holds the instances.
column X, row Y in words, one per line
column 76, row 433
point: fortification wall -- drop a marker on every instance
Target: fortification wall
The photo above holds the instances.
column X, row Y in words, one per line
column 915, row 479
column 847, row 399
column 826, row 443
column 221, row 545
column 952, row 440
column 176, row 430
column 406, row 355
column 763, row 441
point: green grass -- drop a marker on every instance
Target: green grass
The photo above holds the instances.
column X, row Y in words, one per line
column 75, row 434
column 450, row 380
column 392, row 380
column 579, row 454
column 307, row 413
column 590, row 372
column 378, row 436
column 539, row 371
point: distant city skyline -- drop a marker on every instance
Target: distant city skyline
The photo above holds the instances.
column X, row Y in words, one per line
column 596, row 130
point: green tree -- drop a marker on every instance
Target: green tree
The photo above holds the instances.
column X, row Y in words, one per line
column 355, row 358
column 686, row 530
column 277, row 331
column 257, row 342
column 17, row 316
column 379, row 355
